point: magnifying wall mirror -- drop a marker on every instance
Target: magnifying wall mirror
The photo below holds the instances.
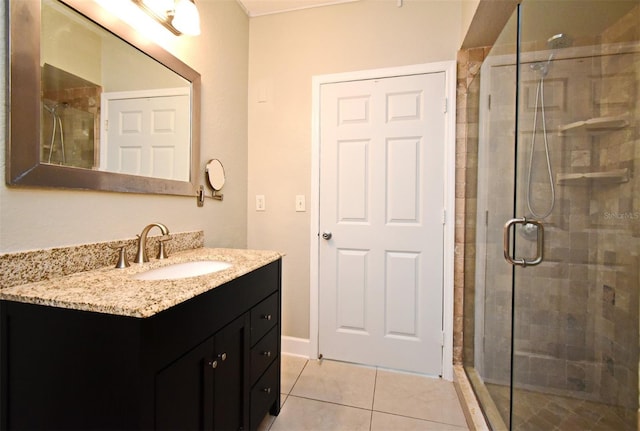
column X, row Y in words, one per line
column 215, row 176
column 95, row 106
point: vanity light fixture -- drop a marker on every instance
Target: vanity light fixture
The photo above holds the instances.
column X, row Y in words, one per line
column 178, row 16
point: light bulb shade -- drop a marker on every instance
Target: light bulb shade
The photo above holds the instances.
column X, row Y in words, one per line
column 186, row 18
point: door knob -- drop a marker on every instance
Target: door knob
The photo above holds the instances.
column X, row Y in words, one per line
column 326, row 235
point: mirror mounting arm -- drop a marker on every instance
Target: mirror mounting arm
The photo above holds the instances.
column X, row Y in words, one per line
column 214, row 195
column 214, row 173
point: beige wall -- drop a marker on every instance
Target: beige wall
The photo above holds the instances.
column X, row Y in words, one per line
column 286, row 50
column 41, row 218
column 469, row 8
column 277, row 55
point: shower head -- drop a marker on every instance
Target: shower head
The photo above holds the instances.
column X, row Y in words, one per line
column 555, row 42
column 55, row 106
column 559, row 41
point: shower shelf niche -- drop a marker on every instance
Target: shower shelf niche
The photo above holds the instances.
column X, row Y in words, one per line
column 615, row 176
column 595, row 125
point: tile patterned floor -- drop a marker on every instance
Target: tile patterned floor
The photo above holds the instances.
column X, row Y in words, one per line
column 337, row 396
column 540, row 411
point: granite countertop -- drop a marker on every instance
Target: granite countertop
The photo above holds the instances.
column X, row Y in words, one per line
column 114, row 291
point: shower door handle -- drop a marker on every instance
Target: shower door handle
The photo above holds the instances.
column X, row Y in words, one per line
column 539, row 241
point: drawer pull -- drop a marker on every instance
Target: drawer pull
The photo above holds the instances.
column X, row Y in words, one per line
column 267, row 354
column 222, row 356
column 267, row 390
column 266, row 316
column 213, row 364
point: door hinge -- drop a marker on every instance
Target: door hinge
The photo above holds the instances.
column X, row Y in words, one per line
column 443, row 338
column 444, row 216
column 446, row 105
column 106, row 125
column 489, row 102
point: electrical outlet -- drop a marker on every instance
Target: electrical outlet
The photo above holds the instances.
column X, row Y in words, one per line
column 300, row 204
column 260, row 203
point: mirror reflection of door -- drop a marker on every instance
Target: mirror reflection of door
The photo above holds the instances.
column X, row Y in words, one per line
column 74, row 115
column 147, row 133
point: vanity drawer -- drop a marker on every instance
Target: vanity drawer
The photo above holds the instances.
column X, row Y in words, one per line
column 264, row 316
column 263, row 354
column 265, row 395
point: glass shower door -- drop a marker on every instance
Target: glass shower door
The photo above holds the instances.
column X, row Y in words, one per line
column 488, row 360
column 575, row 315
column 556, row 343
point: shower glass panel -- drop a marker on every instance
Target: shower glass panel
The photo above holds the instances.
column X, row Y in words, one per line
column 555, row 345
column 575, row 328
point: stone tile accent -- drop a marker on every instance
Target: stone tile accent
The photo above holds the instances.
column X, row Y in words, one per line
column 468, row 90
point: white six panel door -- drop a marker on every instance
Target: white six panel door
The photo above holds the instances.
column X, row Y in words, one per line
column 382, row 201
column 150, row 136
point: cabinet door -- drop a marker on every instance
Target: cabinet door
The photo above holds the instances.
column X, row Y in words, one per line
column 183, row 391
column 206, row 389
column 230, row 409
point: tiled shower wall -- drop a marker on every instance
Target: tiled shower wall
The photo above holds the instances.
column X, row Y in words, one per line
column 616, row 212
column 577, row 315
column 77, row 103
column 468, row 91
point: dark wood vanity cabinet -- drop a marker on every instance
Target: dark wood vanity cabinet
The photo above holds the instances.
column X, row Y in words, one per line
column 205, row 388
column 210, row 363
column 264, row 363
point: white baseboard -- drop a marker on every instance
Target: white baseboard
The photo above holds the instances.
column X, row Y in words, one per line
column 295, row 346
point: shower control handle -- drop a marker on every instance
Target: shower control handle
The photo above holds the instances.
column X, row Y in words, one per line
column 540, row 242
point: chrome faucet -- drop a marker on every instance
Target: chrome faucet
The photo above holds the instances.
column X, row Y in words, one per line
column 141, row 254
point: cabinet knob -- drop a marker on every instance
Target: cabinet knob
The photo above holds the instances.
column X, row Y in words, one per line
column 267, row 390
column 222, row 356
column 267, row 354
column 266, row 316
column 213, row 364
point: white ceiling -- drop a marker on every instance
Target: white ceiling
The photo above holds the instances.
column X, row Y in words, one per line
column 267, row 7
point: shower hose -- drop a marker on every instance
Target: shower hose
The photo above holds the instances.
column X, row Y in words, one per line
column 540, row 98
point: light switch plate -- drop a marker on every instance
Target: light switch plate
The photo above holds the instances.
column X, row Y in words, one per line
column 260, row 203
column 300, row 203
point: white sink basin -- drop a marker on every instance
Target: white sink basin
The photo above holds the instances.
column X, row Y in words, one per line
column 183, row 270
